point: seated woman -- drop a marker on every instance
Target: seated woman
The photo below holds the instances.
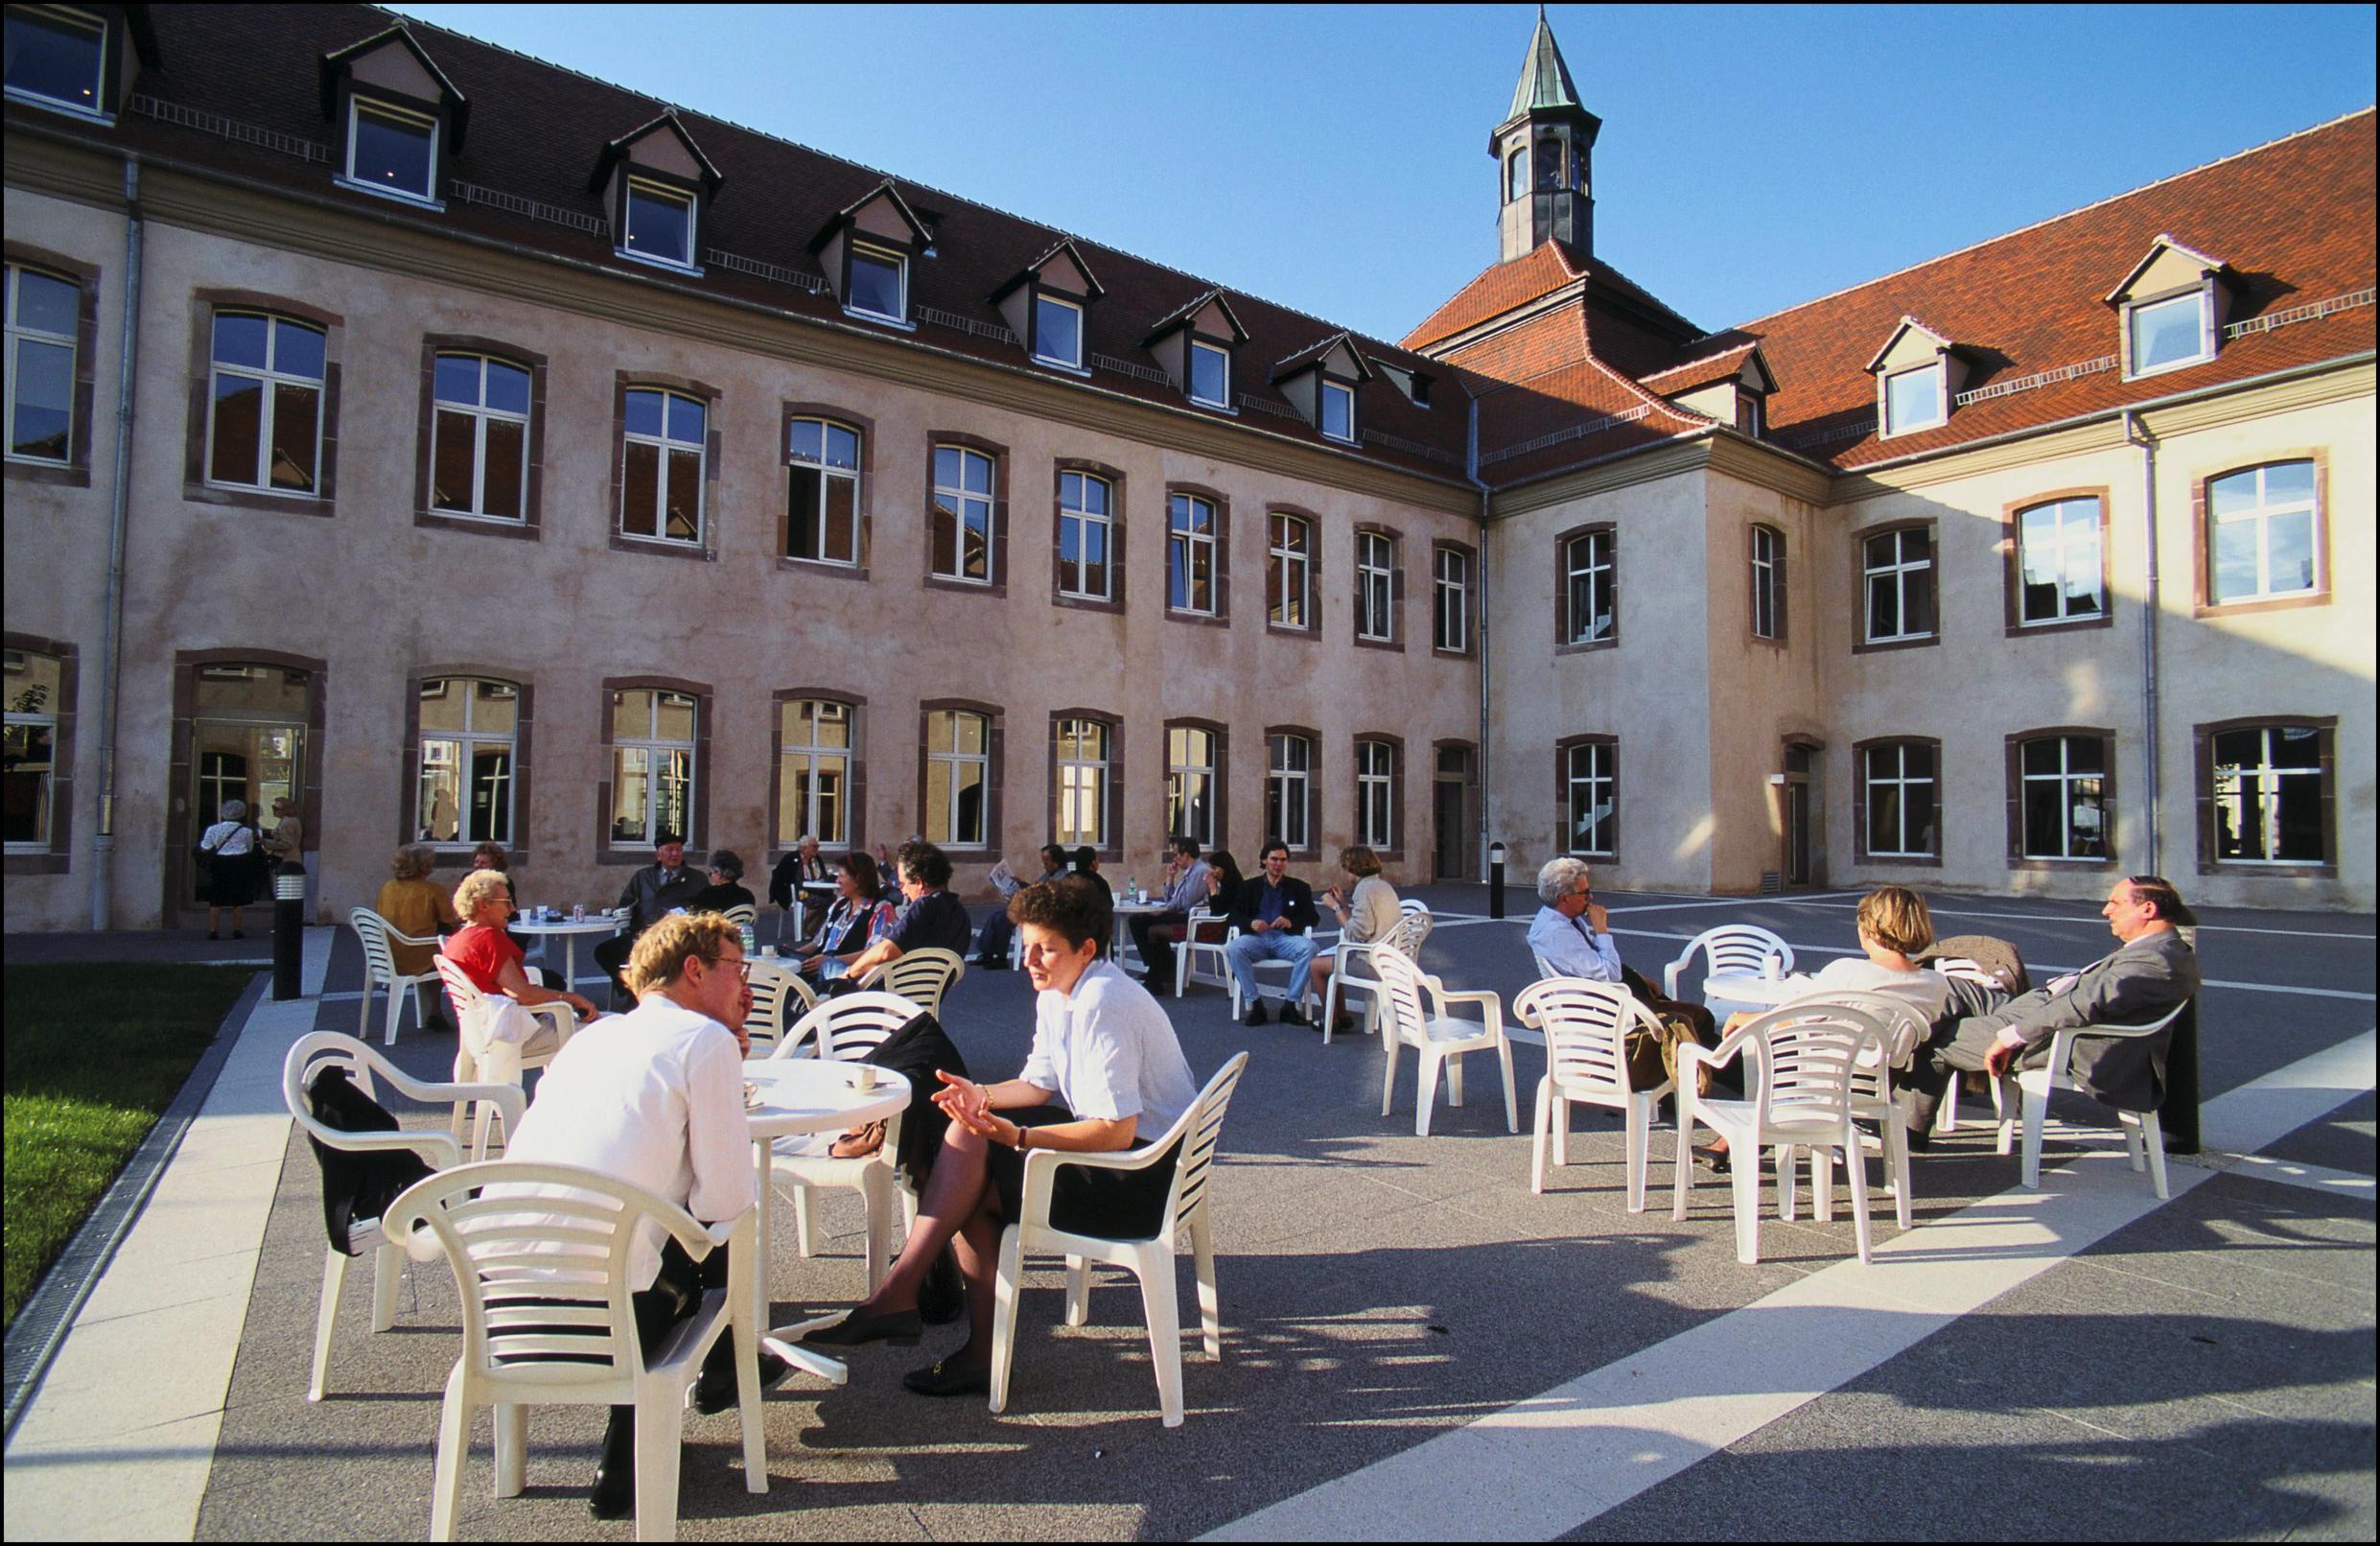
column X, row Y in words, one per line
column 726, row 889
column 1367, row 908
column 413, row 905
column 1105, row 1073
column 859, row 914
column 493, row 964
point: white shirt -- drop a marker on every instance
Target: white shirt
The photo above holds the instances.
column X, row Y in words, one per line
column 1109, row 1052
column 1928, row 990
column 655, row 1097
column 1571, row 949
column 229, row 838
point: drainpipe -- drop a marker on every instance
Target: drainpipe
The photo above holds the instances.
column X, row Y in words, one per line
column 2136, row 433
column 1471, row 470
column 111, row 631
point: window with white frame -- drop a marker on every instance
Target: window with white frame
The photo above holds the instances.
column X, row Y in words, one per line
column 31, row 682
column 57, row 58
column 1590, row 580
column 1083, row 778
column 1190, row 784
column 1451, row 623
column 1899, row 570
column 660, row 223
column 663, row 463
column 879, row 284
column 264, row 409
column 1086, row 536
column 1338, row 409
column 652, row 765
column 2063, row 807
column 44, row 313
column 1375, row 794
column 1751, row 412
column 1768, row 560
column 1898, row 777
column 1210, row 374
column 1375, row 586
column 822, row 491
column 470, row 747
column 958, row 778
column 1289, row 789
column 814, row 752
column 2166, row 335
column 1057, row 331
column 2263, row 534
column 1190, row 563
column 1289, row 572
column 961, row 518
column 1913, row 399
column 392, row 151
column 2269, row 797
column 1591, row 783
column 2059, row 567
column 480, row 446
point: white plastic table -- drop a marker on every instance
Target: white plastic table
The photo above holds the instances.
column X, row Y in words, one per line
column 568, row 929
column 799, row 1095
column 1743, row 988
column 1125, row 911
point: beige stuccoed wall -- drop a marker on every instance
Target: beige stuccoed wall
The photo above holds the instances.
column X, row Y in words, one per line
column 376, row 596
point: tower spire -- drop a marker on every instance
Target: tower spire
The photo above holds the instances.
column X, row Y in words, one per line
column 1541, row 150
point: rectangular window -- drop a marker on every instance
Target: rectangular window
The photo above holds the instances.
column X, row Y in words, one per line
column 814, row 753
column 1083, row 781
column 1288, row 788
column 958, row 778
column 962, row 534
column 1210, row 375
column 1900, row 800
column 1592, row 779
column 1339, row 410
column 1190, row 784
column 1452, row 625
column 879, row 284
column 479, row 461
column 2065, row 797
column 470, row 736
column 2268, row 795
column 1057, row 331
column 2164, row 335
column 1289, row 573
column 2263, row 534
column 392, row 151
column 265, row 409
column 1750, row 415
column 1085, row 534
column 1591, row 582
column 1767, row 583
column 1913, row 400
column 2057, row 562
column 1190, row 554
column 652, row 766
column 43, row 314
column 822, row 492
column 660, row 224
column 1898, row 568
column 1375, row 794
column 661, row 466
column 58, row 59
column 1375, row 590
column 32, row 685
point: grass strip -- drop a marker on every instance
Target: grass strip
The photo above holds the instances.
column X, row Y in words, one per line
column 95, row 1053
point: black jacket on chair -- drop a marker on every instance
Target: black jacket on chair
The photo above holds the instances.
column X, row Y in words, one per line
column 356, row 1184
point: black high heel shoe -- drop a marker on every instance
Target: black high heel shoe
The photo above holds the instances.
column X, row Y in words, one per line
column 900, row 1327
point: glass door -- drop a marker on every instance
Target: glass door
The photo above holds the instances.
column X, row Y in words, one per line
column 248, row 743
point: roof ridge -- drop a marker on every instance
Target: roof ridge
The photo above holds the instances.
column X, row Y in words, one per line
column 2051, row 220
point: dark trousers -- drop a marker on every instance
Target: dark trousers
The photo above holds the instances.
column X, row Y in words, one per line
column 676, row 1294
column 1945, row 1058
column 1153, row 936
column 612, row 955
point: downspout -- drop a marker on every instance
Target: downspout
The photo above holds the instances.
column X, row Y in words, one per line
column 1471, row 470
column 111, row 630
column 2136, row 433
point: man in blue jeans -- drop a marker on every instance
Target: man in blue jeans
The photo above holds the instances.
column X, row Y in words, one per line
column 1272, row 913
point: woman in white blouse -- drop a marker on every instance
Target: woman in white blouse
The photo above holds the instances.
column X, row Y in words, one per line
column 234, row 867
column 1367, row 908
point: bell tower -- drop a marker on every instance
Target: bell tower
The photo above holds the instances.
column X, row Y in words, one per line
column 1543, row 151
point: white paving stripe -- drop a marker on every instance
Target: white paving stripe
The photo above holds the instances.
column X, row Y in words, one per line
column 1546, row 1466
column 2290, row 1172
column 2052, row 918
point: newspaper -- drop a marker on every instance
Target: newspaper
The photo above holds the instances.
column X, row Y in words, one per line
column 1004, row 880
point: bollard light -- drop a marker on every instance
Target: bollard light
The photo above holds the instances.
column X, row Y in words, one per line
column 1495, row 880
column 289, row 910
column 289, row 887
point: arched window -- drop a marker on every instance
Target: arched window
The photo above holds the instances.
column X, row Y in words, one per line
column 479, row 461
column 468, row 763
column 1289, row 789
column 663, row 465
column 815, row 772
column 958, row 778
column 822, row 491
column 265, row 402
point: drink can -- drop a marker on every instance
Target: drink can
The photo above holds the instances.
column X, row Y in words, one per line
column 578, row 913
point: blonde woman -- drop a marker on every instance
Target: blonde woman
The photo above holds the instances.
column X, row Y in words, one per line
column 414, row 905
column 492, row 961
column 1367, row 908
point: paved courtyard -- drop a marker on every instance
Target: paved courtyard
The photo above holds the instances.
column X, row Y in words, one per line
column 1415, row 1346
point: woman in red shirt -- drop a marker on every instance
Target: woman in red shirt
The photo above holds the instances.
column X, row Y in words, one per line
column 488, row 958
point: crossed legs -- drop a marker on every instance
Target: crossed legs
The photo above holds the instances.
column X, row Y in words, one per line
column 961, row 1208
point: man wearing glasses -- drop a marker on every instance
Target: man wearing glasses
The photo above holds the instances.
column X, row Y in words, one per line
column 1570, row 932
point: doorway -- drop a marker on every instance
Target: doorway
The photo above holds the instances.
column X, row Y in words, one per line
column 248, row 742
column 1451, row 810
column 1804, row 815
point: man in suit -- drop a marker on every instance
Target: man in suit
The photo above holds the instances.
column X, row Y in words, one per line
column 651, row 894
column 1273, row 913
column 2146, row 976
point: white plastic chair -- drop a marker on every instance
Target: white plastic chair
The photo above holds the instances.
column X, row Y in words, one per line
column 1441, row 1039
column 1945, row 1114
column 1194, row 949
column 923, row 976
column 2144, row 1135
column 577, row 1345
column 778, row 997
column 308, row 1057
column 1351, row 965
column 1872, row 1100
column 1586, row 1026
column 846, row 1029
column 482, row 1060
column 1798, row 1070
column 1151, row 1260
column 380, row 971
column 747, row 916
column 1734, row 948
column 1232, row 979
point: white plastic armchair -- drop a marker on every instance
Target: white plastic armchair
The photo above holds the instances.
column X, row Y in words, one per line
column 483, row 1060
column 2144, row 1135
column 1586, row 1026
column 778, row 997
column 1417, row 1018
column 306, row 1058
column 846, row 1029
column 922, row 975
column 1903, row 1028
column 1195, row 1135
column 1946, row 1115
column 1352, row 966
column 545, row 1329
column 1734, row 948
column 377, row 934
column 1798, row 1071
column 747, row 916
column 1193, row 949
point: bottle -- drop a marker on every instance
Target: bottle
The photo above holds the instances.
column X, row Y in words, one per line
column 751, row 942
column 1131, row 889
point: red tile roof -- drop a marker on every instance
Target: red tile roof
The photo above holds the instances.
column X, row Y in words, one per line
column 1496, row 290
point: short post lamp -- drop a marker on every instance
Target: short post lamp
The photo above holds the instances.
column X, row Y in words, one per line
column 1495, row 880
column 289, row 932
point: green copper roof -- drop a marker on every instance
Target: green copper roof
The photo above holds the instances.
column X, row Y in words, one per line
column 1545, row 79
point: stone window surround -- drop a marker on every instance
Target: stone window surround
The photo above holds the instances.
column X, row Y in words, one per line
column 408, row 771
column 995, row 751
column 1859, row 804
column 2201, row 544
column 997, row 556
column 855, row 791
column 1562, row 749
column 1470, row 602
column 180, row 836
column 1223, row 774
column 865, row 514
column 530, row 526
column 1117, row 527
column 1398, row 782
column 1313, row 629
column 1859, row 541
column 205, row 303
column 1781, row 570
column 2011, row 566
column 1221, row 616
column 697, row 849
column 1313, row 849
column 1111, row 794
column 2203, row 761
column 2014, row 755
column 76, row 471
column 59, row 860
column 705, row 550
column 1400, row 605
column 1563, row 643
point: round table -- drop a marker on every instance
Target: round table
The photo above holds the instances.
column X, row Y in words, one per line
column 795, row 1095
column 1743, row 988
column 568, row 929
column 1125, row 910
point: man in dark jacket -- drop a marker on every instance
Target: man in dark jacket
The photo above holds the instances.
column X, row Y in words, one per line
column 651, row 894
column 1273, row 913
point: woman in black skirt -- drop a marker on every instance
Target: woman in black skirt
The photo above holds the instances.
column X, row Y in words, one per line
column 1105, row 1073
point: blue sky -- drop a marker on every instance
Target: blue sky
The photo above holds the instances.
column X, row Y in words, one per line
column 1335, row 158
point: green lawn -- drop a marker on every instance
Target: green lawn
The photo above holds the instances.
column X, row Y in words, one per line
column 94, row 1053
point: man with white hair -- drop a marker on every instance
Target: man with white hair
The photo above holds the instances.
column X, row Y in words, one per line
column 1571, row 933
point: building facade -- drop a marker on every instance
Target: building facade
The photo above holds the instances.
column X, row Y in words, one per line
column 499, row 455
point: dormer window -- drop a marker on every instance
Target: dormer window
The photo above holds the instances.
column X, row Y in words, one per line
column 2165, row 334
column 1319, row 382
column 1916, row 373
column 399, row 119
column 1058, row 331
column 2173, row 304
column 57, row 58
column 1338, row 419
column 1195, row 344
column 1047, row 305
column 1914, row 400
column 392, row 150
column 656, row 181
column 1210, row 374
column 865, row 250
column 879, row 284
column 660, row 224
